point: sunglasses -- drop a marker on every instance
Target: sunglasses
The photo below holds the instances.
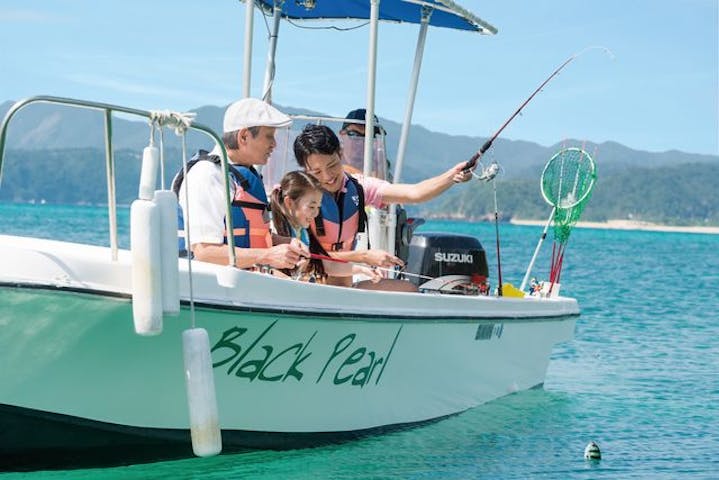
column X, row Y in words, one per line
column 354, row 133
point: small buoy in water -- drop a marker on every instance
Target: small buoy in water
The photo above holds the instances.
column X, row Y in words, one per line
column 591, row 452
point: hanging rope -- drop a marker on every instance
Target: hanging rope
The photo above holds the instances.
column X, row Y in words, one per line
column 162, row 159
column 180, row 123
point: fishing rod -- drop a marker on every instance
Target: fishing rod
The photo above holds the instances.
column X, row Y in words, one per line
column 488, row 144
column 471, row 163
column 317, row 256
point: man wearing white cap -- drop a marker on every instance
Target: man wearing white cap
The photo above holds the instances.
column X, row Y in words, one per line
column 249, row 137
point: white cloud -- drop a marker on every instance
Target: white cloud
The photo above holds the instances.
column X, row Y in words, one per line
column 122, row 85
column 142, row 93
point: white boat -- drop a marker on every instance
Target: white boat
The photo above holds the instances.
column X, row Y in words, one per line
column 295, row 364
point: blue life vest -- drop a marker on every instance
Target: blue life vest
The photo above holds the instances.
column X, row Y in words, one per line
column 341, row 217
column 250, row 209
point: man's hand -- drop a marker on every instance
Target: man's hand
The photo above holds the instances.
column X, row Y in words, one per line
column 459, row 174
column 380, row 258
column 373, row 275
column 286, row 255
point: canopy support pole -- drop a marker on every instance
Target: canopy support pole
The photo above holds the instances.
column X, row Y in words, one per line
column 375, row 217
column 270, row 68
column 371, row 79
column 414, row 81
column 419, row 54
column 247, row 63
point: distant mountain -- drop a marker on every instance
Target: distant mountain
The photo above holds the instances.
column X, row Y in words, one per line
column 42, row 126
column 45, row 126
column 673, row 195
column 57, row 154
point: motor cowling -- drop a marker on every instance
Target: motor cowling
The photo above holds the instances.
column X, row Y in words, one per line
column 456, row 264
column 404, row 231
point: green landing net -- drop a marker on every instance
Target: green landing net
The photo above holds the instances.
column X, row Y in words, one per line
column 567, row 182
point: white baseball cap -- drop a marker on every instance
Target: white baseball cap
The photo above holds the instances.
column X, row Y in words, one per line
column 251, row 112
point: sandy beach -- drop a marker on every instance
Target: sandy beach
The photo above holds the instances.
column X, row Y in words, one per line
column 628, row 225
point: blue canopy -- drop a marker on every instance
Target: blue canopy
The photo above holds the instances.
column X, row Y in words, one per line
column 445, row 13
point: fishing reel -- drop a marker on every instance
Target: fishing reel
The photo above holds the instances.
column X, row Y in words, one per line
column 487, row 173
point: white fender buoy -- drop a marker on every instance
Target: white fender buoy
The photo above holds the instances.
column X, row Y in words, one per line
column 166, row 202
column 148, row 174
column 146, row 268
column 591, row 452
column 201, row 399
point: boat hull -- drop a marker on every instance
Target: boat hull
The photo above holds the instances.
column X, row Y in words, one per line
column 287, row 374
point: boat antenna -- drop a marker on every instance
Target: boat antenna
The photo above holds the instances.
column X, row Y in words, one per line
column 487, row 145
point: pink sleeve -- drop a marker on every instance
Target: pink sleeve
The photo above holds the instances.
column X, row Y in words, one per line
column 373, row 188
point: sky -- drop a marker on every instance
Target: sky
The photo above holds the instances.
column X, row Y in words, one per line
column 657, row 92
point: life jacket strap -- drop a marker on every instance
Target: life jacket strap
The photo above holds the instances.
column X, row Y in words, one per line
column 253, row 205
column 204, row 155
column 320, row 225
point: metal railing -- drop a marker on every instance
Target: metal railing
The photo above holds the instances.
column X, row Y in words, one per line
column 107, row 110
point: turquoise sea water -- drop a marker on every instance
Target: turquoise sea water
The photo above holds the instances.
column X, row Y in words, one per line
column 641, row 377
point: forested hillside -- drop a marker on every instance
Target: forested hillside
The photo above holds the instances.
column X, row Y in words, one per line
column 677, row 195
column 56, row 154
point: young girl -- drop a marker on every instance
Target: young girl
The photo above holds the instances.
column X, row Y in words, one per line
column 295, row 204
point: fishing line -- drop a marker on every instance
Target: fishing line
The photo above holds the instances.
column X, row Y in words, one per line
column 496, row 230
column 317, row 256
column 486, row 173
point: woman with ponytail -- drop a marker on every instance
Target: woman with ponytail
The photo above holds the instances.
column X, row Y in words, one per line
column 294, row 204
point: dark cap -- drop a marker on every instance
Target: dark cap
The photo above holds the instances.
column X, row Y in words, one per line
column 360, row 114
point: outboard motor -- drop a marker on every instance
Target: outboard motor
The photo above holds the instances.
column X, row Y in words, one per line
column 403, row 232
column 450, row 263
